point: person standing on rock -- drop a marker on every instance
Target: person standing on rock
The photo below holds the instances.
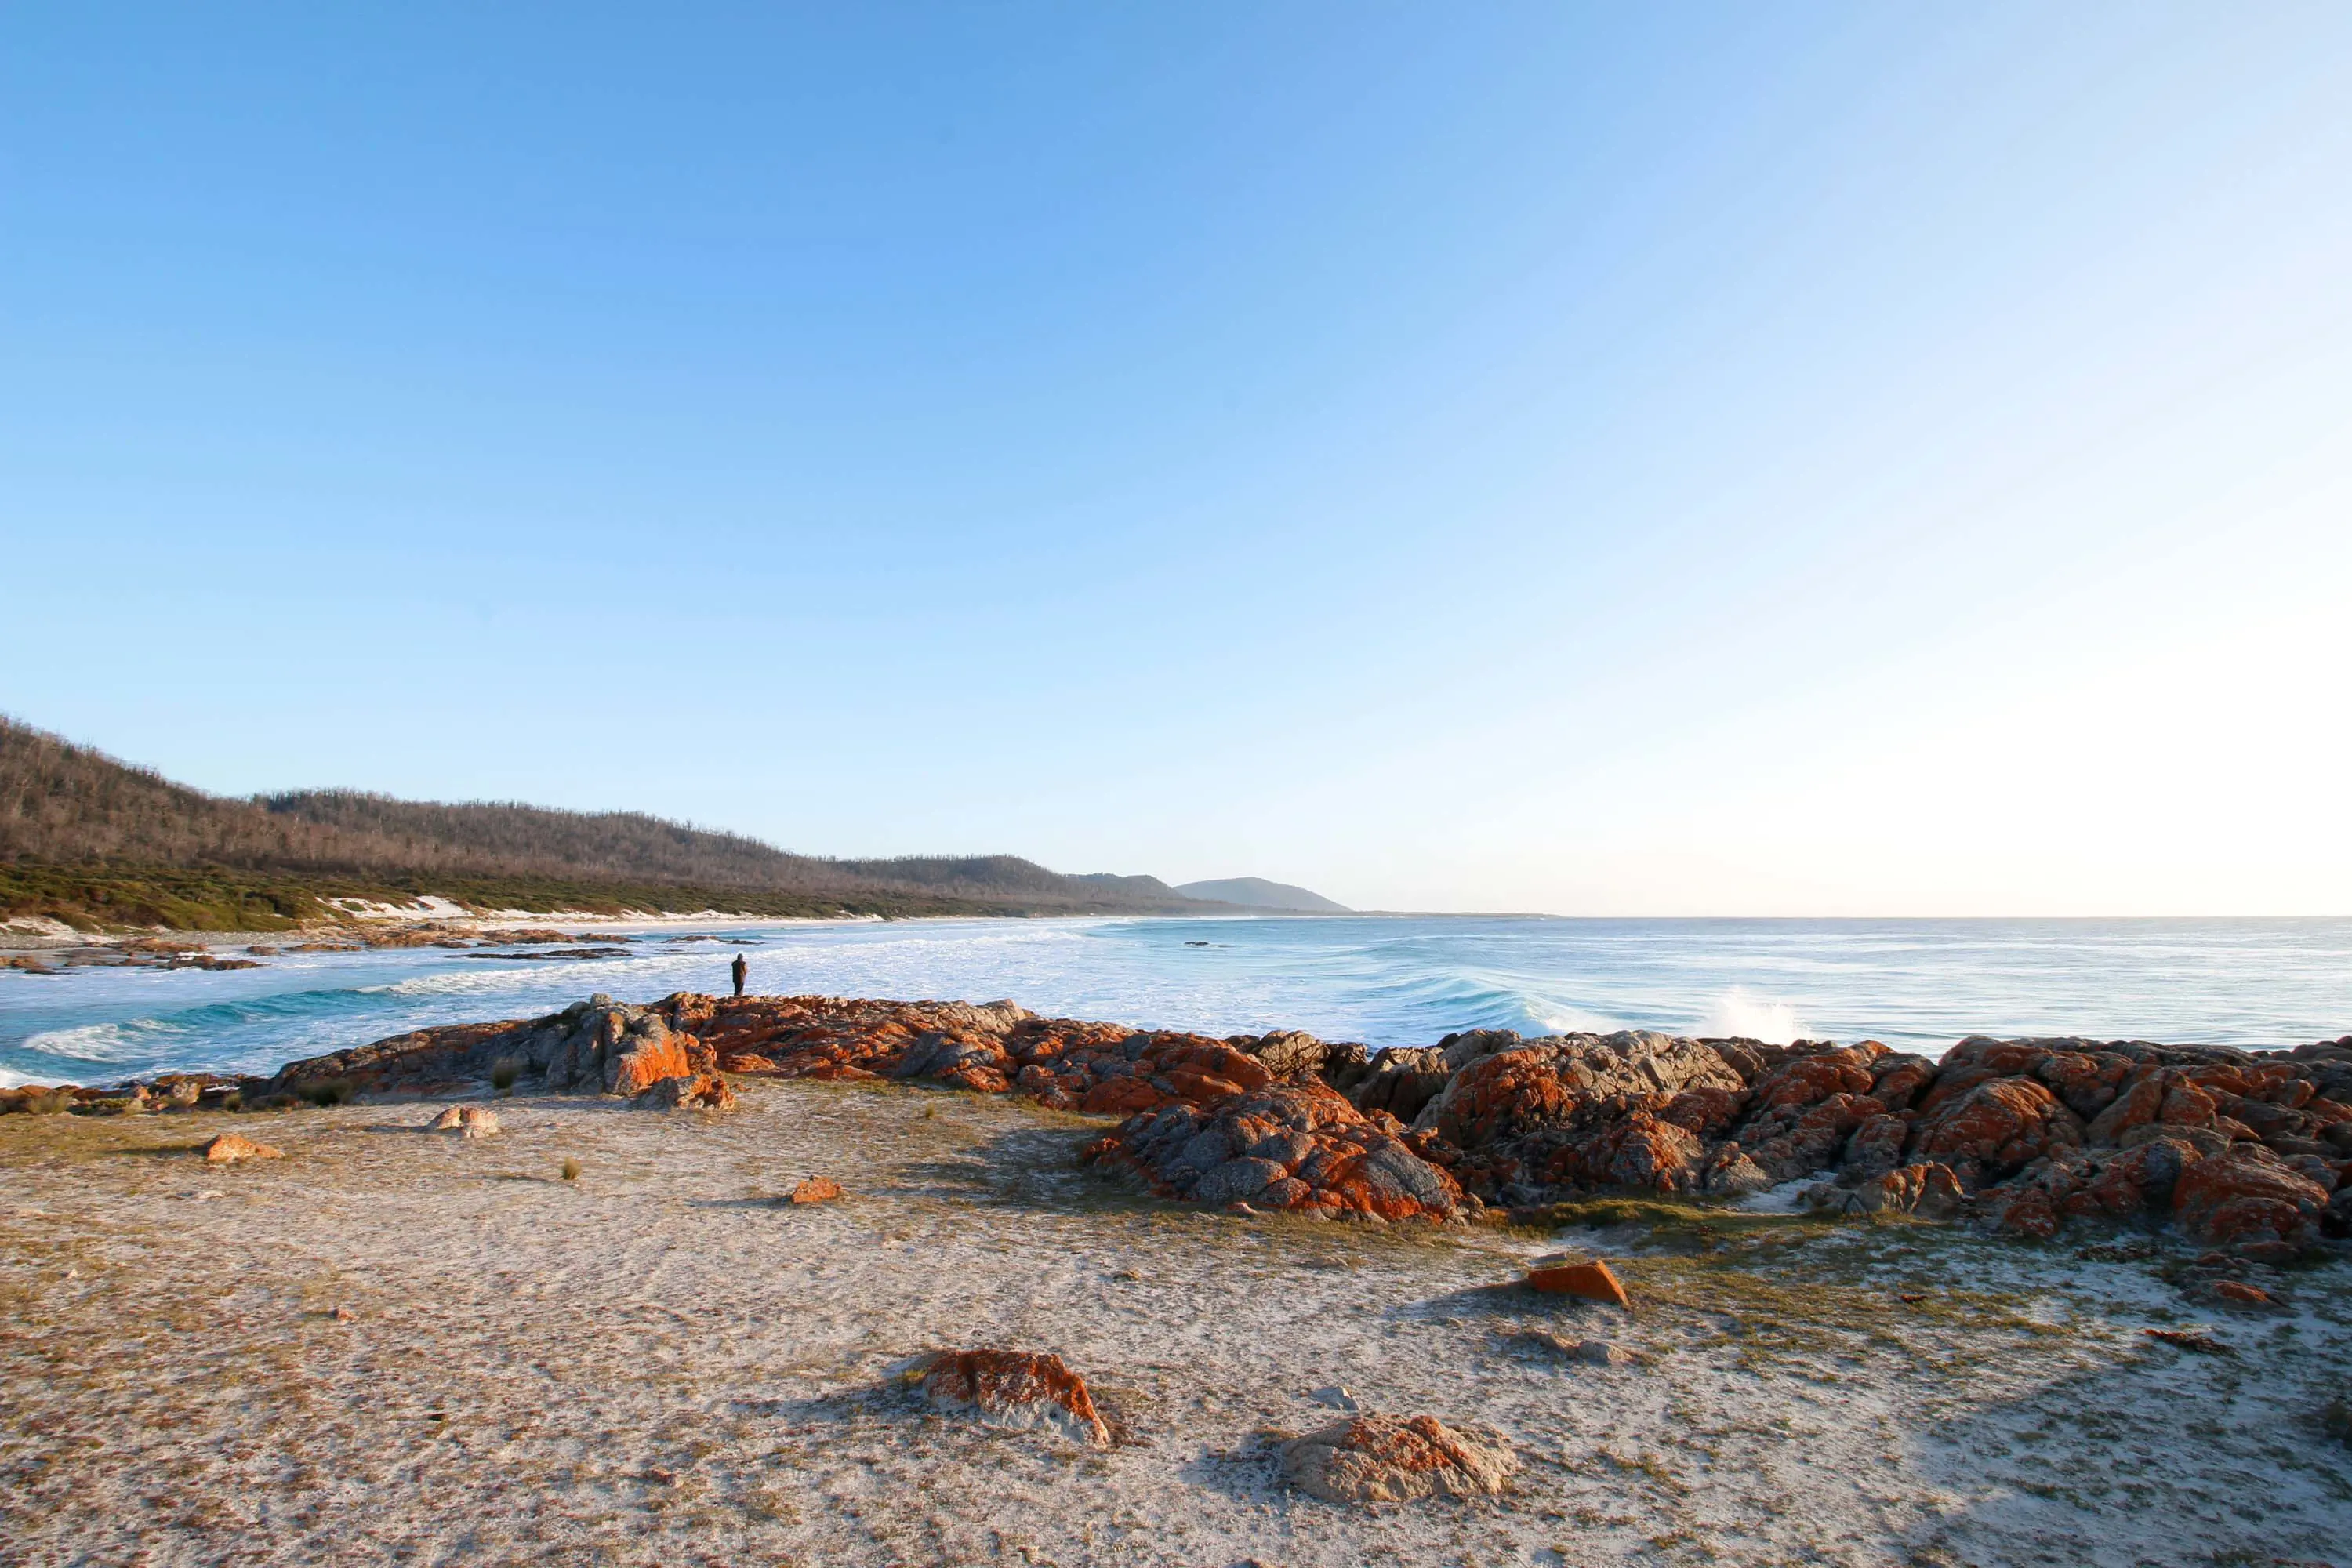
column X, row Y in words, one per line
column 741, row 969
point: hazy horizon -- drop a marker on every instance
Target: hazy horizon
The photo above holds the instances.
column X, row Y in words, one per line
column 1714, row 462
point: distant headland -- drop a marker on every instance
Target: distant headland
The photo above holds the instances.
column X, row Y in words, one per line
column 98, row 844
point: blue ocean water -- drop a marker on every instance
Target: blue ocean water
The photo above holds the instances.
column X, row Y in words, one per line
column 1917, row 984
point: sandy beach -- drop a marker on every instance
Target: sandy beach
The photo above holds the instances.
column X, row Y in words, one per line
column 391, row 1346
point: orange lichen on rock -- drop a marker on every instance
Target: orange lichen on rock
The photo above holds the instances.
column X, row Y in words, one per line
column 2250, row 1201
column 1300, row 1147
column 1587, row 1278
column 817, row 1190
column 230, row 1147
column 2030, row 1133
column 1013, row 1389
column 1372, row 1457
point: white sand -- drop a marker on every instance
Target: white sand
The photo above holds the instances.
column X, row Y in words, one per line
column 659, row 1364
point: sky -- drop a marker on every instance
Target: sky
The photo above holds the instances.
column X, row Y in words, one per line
column 1799, row 459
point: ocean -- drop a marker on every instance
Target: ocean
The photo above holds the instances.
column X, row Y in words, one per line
column 1386, row 981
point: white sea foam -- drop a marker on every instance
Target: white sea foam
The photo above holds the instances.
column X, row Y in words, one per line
column 126, row 1042
column 1737, row 1014
column 1786, row 1198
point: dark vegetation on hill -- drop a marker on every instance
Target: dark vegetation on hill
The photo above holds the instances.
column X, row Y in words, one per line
column 93, row 841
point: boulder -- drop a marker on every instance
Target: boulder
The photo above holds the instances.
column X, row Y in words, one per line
column 231, row 1147
column 1291, row 1056
column 1301, row 1147
column 1809, row 1081
column 1997, row 1128
column 1876, row 1146
column 1930, row 1191
column 1014, row 1390
column 1589, row 1278
column 1402, row 1080
column 1731, row 1174
column 1897, row 1080
column 2030, row 1213
column 2138, row 1104
column 1371, row 1458
column 2248, row 1201
column 1538, row 1084
column 2128, row 1182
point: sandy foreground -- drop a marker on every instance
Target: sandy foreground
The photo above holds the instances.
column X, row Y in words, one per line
column 660, row 1362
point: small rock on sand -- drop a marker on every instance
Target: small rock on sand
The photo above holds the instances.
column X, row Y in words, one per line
column 1394, row 1458
column 1335, row 1396
column 1591, row 1280
column 1014, row 1389
column 467, row 1122
column 817, row 1190
column 231, row 1147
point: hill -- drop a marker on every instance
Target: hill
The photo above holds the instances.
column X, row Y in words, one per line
column 1258, row 893
column 92, row 840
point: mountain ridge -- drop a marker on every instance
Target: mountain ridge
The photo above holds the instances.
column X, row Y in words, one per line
column 90, row 839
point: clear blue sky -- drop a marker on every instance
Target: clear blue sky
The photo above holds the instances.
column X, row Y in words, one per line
column 1612, row 458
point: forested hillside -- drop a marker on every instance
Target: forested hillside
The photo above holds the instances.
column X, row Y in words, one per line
column 90, row 839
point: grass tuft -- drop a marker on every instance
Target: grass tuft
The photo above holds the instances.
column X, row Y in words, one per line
column 571, row 1169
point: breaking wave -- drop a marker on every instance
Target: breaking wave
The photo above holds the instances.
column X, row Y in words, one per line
column 1918, row 984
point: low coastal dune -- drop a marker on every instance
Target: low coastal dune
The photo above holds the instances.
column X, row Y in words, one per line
column 573, row 1328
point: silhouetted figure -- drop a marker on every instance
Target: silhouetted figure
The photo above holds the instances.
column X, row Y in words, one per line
column 741, row 969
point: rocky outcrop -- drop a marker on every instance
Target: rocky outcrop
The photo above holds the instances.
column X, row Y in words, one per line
column 998, row 1047
column 1393, row 1459
column 1014, row 1390
column 1296, row 1147
column 2030, row 1134
column 599, row 1045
